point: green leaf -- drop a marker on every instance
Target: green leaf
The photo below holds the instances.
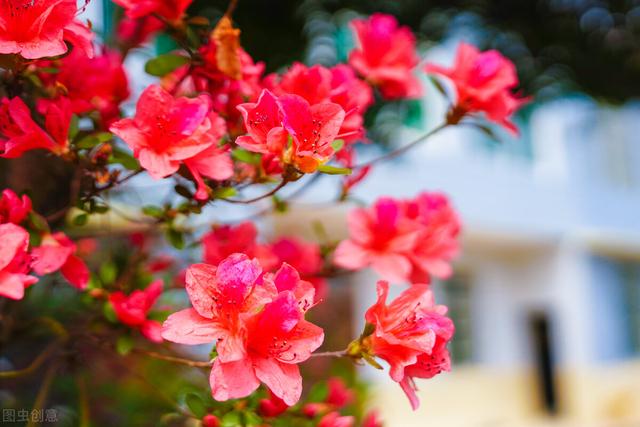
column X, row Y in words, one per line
column 245, row 156
column 153, row 211
column 334, row 170
column 183, row 191
column 231, row 419
column 164, row 64
column 109, row 312
column 94, row 139
column 176, row 238
column 108, row 272
column 438, row 85
column 318, row 392
column 124, row 344
column 487, row 131
column 81, row 219
column 196, row 405
column 337, row 145
column 251, row 419
column 125, row 159
column 100, row 209
column 224, row 192
column 73, row 127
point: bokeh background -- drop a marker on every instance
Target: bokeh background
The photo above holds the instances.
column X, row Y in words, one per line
column 546, row 295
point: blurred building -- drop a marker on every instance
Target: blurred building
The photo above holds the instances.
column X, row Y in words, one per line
column 546, row 296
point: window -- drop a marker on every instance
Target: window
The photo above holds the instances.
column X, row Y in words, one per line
column 456, row 294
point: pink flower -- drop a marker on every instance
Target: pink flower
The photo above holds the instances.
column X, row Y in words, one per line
column 277, row 339
column 260, row 332
column 14, row 261
column 483, row 82
column 339, row 395
column 438, row 237
column 133, row 309
column 57, row 252
column 91, row 83
column 410, row 334
column 172, row 10
column 134, row 32
column 272, row 407
column 372, row 420
column 304, row 257
column 13, row 209
column 214, row 162
column 221, row 297
column 402, row 240
column 318, row 84
column 38, row 28
column 168, row 131
column 334, row 419
column 225, row 240
column 380, row 237
column 20, row 133
column 386, row 56
column 272, row 120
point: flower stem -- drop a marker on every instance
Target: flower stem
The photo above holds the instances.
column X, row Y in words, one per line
column 398, row 151
column 174, row 359
column 341, row 353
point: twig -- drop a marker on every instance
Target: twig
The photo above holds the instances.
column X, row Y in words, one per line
column 37, row 362
column 83, row 401
column 232, row 6
column 341, row 353
column 264, row 196
column 188, row 362
column 401, row 150
column 43, row 393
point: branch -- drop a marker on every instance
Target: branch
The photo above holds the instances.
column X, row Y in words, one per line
column 37, row 362
column 173, row 359
column 43, row 393
column 340, row 353
column 398, row 151
column 264, row 196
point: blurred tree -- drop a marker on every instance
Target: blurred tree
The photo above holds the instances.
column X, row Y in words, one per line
column 559, row 46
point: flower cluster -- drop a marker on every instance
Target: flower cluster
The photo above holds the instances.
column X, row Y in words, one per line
column 54, row 252
column 402, row 240
column 256, row 321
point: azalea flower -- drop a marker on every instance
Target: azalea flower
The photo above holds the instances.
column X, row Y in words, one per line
column 14, row 261
column 13, row 209
column 20, row 133
column 39, row 28
column 437, row 243
column 58, row 252
column 167, row 131
column 380, row 237
column 133, row 309
column 483, row 82
column 171, row 10
column 386, row 56
column 334, row 419
column 91, row 83
column 410, row 334
column 272, row 407
column 259, row 329
column 132, row 32
column 402, row 240
column 304, row 257
column 224, row 240
column 277, row 339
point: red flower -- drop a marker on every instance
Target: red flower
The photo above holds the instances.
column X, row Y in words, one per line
column 133, row 309
column 172, row 10
column 225, row 240
column 260, row 330
column 19, row 133
column 438, row 236
column 272, row 407
column 334, row 419
column 167, row 131
column 339, row 395
column 134, row 32
column 402, row 240
column 57, row 252
column 91, row 83
column 38, row 28
column 410, row 334
column 483, row 82
column 14, row 261
column 381, row 237
column 386, row 56
column 304, row 257
column 13, row 209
